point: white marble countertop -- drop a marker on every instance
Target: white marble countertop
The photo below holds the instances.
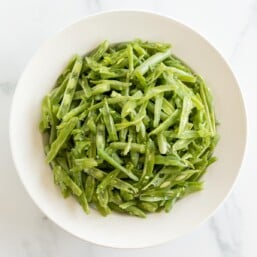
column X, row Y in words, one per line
column 231, row 25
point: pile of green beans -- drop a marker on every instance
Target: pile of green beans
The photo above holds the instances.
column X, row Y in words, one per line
column 129, row 128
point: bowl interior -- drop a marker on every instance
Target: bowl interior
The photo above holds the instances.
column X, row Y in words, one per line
column 26, row 141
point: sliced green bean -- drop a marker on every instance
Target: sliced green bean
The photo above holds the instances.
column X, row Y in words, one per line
column 109, row 123
column 166, row 124
column 133, row 146
column 129, row 128
column 70, row 88
column 62, row 176
column 115, row 164
column 64, row 133
column 153, row 60
column 157, row 110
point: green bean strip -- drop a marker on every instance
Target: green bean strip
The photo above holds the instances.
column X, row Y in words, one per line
column 153, row 60
column 133, row 146
column 87, row 90
column 83, row 202
column 129, row 128
column 127, row 124
column 149, row 161
column 99, row 52
column 61, row 138
column 133, row 210
column 89, row 188
column 162, row 143
column 107, row 180
column 209, row 116
column 157, row 110
column 187, row 106
column 62, row 176
column 100, row 136
column 115, row 164
column 166, row 124
column 57, row 93
column 109, row 123
column 70, row 88
column 75, row 111
column 130, row 58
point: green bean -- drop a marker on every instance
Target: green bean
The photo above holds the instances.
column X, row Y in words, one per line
column 61, row 138
column 153, row 60
column 127, row 204
column 66, row 71
column 114, row 84
column 126, row 196
column 157, row 110
column 62, row 176
column 157, row 90
column 86, row 88
column 127, row 124
column 100, row 136
column 115, row 164
column 123, row 185
column 161, row 195
column 99, row 52
column 129, row 128
column 45, row 119
column 70, row 88
column 101, row 88
column 169, row 161
column 109, row 123
column 84, row 163
column 83, row 202
column 104, row 210
column 116, row 208
column 130, row 58
column 150, row 108
column 207, row 106
column 89, row 188
column 76, row 111
column 167, row 107
column 183, row 75
column 166, row 124
column 162, row 143
column 133, row 210
column 148, row 206
column 133, row 146
column 154, row 46
column 102, row 197
column 149, row 161
column 107, row 180
column 57, row 93
column 128, row 107
column 187, row 106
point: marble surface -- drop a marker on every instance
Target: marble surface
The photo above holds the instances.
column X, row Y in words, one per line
column 231, row 25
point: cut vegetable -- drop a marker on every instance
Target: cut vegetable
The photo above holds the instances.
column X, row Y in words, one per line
column 129, row 128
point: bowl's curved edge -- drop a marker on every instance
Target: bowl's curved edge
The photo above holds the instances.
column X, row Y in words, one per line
column 147, row 12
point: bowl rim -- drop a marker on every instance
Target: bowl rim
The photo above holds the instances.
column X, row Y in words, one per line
column 143, row 12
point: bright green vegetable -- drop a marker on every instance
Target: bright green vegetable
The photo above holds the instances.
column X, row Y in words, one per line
column 152, row 61
column 157, row 110
column 115, row 164
column 61, row 175
column 70, row 88
column 109, row 123
column 63, row 135
column 129, row 128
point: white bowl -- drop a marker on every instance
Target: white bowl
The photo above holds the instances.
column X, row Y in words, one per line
column 26, row 141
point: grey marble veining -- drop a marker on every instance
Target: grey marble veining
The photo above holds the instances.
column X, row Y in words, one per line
column 230, row 25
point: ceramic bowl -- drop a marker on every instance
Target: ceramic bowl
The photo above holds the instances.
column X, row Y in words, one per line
column 27, row 146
